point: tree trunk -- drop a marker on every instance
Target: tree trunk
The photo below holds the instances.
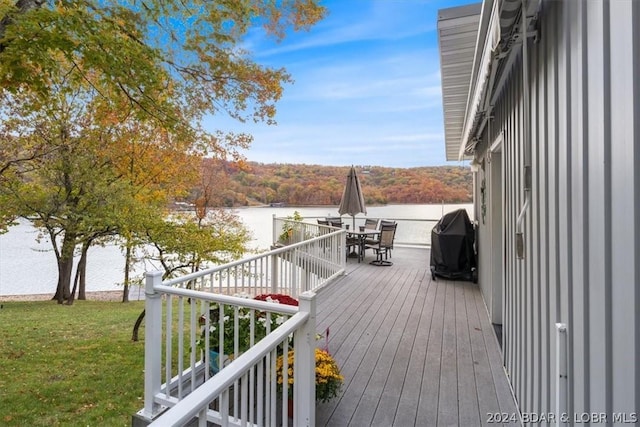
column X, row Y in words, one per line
column 65, row 268
column 82, row 269
column 75, row 287
column 127, row 268
column 136, row 327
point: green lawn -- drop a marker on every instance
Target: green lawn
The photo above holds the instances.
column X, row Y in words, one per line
column 70, row 365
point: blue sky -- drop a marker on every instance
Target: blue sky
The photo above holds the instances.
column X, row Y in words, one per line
column 366, row 88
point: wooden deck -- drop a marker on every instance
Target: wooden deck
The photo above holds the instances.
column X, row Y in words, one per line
column 414, row 352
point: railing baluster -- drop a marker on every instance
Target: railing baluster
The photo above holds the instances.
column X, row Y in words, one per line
column 202, row 417
column 220, row 348
column 168, row 343
column 180, row 345
column 285, row 385
column 207, row 335
column 252, row 393
column 272, row 387
column 244, row 399
column 259, row 393
column 192, row 341
column 224, row 407
column 236, row 351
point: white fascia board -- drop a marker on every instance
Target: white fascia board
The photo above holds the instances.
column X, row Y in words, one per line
column 488, row 46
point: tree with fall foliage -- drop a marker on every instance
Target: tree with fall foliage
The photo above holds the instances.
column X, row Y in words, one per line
column 96, row 92
column 184, row 243
column 299, row 184
column 158, row 54
column 81, row 191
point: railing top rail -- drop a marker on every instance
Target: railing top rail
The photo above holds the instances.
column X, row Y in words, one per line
column 302, row 243
column 228, row 299
column 189, row 407
column 198, row 274
column 370, row 217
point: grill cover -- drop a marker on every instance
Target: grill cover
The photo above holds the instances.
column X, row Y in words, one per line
column 452, row 247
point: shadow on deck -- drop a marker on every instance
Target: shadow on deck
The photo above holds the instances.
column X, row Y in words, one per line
column 413, row 351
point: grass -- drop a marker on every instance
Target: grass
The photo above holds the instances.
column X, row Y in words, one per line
column 70, row 365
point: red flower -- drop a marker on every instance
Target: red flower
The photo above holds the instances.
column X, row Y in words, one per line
column 281, row 298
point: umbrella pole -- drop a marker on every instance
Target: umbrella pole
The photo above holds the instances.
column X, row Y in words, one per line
column 353, row 253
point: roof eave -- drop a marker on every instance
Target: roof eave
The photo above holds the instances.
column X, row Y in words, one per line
column 457, row 36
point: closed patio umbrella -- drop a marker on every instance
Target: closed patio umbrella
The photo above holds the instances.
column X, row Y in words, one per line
column 352, row 201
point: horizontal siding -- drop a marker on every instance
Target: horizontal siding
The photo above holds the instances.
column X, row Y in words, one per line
column 582, row 236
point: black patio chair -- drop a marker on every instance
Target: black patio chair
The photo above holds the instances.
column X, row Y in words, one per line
column 383, row 245
column 387, row 222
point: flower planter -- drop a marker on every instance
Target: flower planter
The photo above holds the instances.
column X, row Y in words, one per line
column 214, row 361
column 328, row 377
column 245, row 317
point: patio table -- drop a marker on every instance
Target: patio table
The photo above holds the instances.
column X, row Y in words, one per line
column 361, row 235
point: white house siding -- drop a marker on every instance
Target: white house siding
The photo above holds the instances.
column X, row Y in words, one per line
column 582, row 230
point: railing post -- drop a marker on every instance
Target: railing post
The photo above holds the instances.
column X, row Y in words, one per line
column 304, row 386
column 343, row 245
column 274, row 273
column 152, row 344
column 293, row 280
column 274, row 238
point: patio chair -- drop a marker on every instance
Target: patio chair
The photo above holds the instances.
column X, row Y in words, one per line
column 371, row 224
column 383, row 245
column 352, row 242
column 374, row 240
column 388, row 222
column 334, row 222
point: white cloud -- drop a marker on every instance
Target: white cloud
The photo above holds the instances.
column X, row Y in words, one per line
column 367, row 88
column 352, row 21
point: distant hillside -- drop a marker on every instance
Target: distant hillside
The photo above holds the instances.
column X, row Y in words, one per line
column 258, row 183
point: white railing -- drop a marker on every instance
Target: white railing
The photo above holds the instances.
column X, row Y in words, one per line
column 289, row 268
column 414, row 232
column 410, row 232
column 195, row 326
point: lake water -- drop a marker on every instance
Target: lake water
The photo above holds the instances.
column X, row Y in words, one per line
column 29, row 267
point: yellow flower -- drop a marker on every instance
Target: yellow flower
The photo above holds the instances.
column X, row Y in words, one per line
column 328, row 377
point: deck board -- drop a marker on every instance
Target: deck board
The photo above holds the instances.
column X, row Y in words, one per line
column 469, row 414
column 487, row 399
column 406, row 412
column 430, row 392
column 389, row 336
column 414, row 352
column 448, row 398
column 400, row 374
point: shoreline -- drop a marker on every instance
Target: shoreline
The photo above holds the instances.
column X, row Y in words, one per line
column 91, row 296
